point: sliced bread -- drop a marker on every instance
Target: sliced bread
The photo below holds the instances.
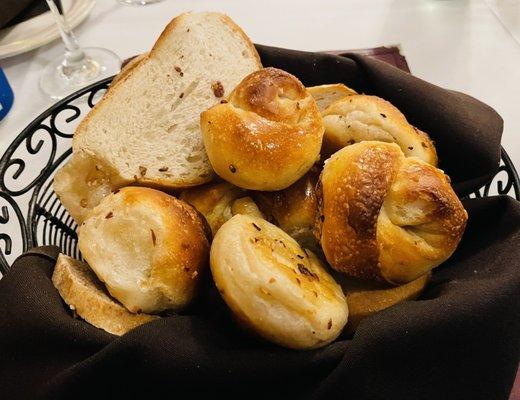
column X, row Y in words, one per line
column 129, row 66
column 146, row 127
column 83, row 292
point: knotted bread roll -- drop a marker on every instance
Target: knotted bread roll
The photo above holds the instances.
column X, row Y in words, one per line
column 267, row 135
column 274, row 287
column 385, row 216
column 149, row 248
column 359, row 117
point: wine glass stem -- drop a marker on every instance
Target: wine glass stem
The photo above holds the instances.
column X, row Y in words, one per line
column 74, row 55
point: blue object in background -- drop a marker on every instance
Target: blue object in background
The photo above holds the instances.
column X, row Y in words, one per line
column 6, row 95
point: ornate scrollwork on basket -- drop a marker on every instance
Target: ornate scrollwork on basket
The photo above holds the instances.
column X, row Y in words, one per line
column 16, row 165
column 505, row 181
column 30, row 212
column 53, row 120
column 10, row 213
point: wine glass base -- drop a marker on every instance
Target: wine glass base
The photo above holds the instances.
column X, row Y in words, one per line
column 58, row 81
column 138, row 2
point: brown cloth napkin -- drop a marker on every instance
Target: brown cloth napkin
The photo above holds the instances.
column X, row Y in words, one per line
column 460, row 340
column 13, row 12
column 389, row 54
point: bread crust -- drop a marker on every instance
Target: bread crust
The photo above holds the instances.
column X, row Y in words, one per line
column 268, row 134
column 85, row 294
column 129, row 67
column 366, row 298
column 246, row 38
column 220, row 201
column 293, row 209
column 214, row 201
column 386, row 217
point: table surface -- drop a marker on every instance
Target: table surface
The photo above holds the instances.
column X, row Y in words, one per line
column 468, row 45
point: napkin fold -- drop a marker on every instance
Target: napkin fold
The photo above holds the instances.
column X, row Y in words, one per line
column 460, row 339
column 13, row 12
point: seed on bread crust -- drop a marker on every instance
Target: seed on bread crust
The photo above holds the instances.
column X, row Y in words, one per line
column 154, row 239
column 218, row 89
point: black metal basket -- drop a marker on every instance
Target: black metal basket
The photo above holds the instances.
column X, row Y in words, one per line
column 32, row 215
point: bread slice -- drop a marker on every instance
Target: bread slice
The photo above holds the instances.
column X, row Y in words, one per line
column 146, row 127
column 129, row 66
column 83, row 181
column 325, row 95
column 83, row 292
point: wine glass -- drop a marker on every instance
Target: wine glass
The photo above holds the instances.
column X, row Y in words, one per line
column 79, row 66
column 138, row 2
